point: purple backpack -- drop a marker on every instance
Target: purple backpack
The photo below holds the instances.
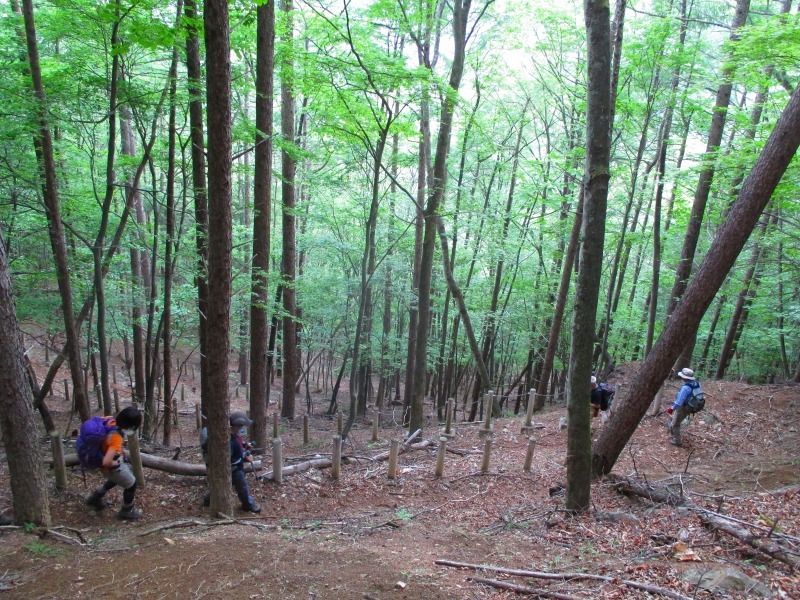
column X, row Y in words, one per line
column 90, row 440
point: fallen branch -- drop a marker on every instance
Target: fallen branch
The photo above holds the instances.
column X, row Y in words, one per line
column 198, row 523
column 44, row 532
column 566, row 577
column 522, row 589
column 764, row 544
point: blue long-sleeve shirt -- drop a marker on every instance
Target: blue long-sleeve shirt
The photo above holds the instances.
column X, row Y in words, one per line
column 684, row 393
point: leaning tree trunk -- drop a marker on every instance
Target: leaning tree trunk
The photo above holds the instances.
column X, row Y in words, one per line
column 728, row 243
column 587, row 288
column 561, row 303
column 17, row 418
column 743, row 301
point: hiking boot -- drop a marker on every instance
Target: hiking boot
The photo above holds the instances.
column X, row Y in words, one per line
column 253, row 508
column 129, row 513
column 674, row 442
column 97, row 501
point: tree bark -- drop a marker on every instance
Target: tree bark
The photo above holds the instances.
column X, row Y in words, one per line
column 262, row 200
column 17, row 417
column 218, row 86
column 587, row 289
column 288, row 167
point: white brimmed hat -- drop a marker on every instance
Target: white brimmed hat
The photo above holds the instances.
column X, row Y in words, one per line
column 594, row 379
column 686, row 374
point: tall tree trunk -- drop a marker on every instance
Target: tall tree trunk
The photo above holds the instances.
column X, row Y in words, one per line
column 43, row 144
column 289, row 355
column 262, row 200
column 730, row 239
column 137, row 282
column 460, row 17
column 170, row 240
column 194, row 73
column 17, row 419
column 587, row 289
column 99, row 243
column 218, row 69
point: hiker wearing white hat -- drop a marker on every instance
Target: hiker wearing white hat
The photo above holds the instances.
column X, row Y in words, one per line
column 688, row 401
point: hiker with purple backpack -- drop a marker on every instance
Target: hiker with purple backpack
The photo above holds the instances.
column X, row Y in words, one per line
column 100, row 446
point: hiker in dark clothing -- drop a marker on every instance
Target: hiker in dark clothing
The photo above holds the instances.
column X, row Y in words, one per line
column 239, row 455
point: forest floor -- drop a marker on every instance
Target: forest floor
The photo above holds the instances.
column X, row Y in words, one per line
column 365, row 536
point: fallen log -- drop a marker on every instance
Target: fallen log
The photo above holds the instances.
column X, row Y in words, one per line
column 763, row 543
column 158, row 463
column 162, row 464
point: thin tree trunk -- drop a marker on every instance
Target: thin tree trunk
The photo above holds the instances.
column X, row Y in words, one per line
column 596, row 177
column 560, row 305
column 170, row 239
column 43, row 144
column 705, row 178
column 289, row 356
column 460, row 17
column 99, row 243
column 744, row 299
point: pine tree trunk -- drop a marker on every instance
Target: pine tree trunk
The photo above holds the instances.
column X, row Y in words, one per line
column 289, row 355
column 218, row 86
column 262, row 200
column 17, row 419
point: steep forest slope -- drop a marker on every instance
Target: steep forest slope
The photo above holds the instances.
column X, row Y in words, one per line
column 365, row 536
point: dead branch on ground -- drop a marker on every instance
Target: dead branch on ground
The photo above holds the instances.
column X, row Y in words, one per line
column 566, row 577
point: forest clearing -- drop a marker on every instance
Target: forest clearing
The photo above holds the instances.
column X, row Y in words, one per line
column 365, row 536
